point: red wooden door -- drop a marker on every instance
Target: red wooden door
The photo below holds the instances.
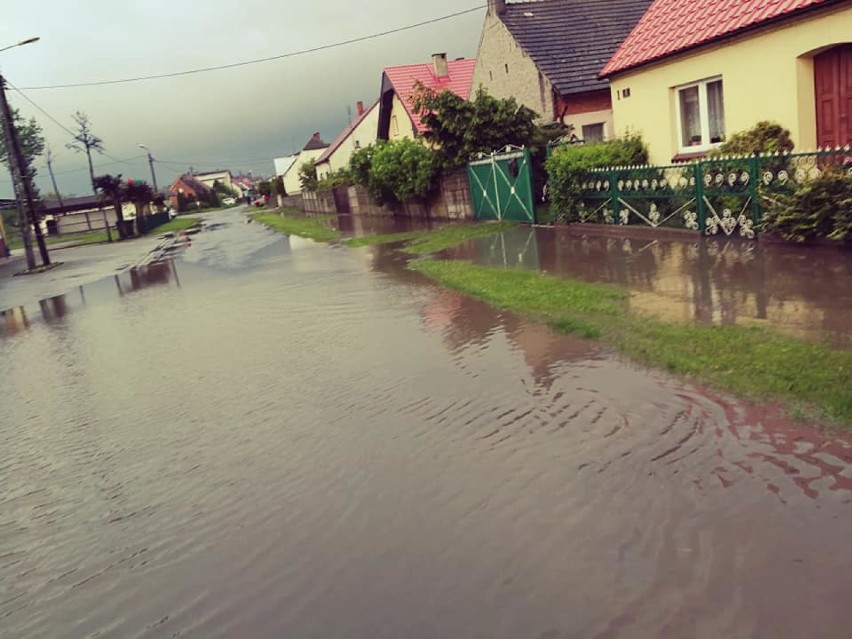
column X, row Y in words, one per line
column 833, row 84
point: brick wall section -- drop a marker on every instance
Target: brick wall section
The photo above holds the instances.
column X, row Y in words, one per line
column 451, row 200
column 584, row 102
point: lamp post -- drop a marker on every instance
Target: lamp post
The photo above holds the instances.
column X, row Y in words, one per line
column 21, row 177
column 151, row 164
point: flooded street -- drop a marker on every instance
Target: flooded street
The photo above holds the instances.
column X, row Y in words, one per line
column 258, row 436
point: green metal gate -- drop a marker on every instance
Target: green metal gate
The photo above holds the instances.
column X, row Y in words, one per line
column 501, row 185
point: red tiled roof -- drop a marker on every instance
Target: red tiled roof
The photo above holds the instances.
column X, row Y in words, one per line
column 344, row 134
column 673, row 26
column 459, row 81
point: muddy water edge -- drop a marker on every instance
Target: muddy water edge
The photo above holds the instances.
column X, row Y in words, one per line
column 261, row 436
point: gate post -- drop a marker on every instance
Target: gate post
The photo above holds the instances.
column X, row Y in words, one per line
column 614, row 195
column 496, row 187
column 754, row 189
column 700, row 209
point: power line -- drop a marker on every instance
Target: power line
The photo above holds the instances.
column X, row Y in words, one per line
column 233, row 65
column 62, row 126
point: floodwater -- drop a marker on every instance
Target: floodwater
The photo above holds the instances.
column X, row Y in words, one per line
column 258, row 436
column 801, row 291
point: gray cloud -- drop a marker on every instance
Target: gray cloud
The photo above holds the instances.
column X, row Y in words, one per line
column 222, row 118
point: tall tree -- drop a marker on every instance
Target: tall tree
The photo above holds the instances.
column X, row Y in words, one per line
column 85, row 142
column 31, row 138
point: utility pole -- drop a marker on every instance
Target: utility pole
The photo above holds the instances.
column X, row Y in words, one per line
column 151, row 164
column 49, row 161
column 22, row 181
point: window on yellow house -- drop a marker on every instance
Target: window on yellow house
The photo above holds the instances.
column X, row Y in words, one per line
column 700, row 115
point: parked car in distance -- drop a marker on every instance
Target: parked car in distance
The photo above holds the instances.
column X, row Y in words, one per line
column 229, row 201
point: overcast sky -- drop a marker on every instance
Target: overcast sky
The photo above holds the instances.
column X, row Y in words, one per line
column 238, row 118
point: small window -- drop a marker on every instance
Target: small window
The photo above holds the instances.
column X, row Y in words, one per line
column 593, row 133
column 507, row 68
column 491, row 75
column 394, row 126
column 701, row 115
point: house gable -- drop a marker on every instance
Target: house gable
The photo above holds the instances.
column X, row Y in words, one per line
column 505, row 70
column 397, row 99
column 361, row 133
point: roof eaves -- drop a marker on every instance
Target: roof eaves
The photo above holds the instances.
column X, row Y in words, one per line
column 606, row 75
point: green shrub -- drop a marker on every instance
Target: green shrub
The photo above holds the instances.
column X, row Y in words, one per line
column 817, row 209
column 335, row 178
column 763, row 137
column 394, row 172
column 567, row 168
column 308, row 176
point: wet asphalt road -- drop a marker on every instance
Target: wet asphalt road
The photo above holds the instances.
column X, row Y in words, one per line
column 260, row 436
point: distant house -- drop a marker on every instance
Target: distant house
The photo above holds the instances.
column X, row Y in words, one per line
column 396, row 115
column 547, row 55
column 223, row 177
column 192, row 189
column 692, row 73
column 282, row 165
column 243, row 185
column 310, row 152
column 360, row 133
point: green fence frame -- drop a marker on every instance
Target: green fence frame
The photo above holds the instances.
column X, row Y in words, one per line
column 501, row 185
column 726, row 195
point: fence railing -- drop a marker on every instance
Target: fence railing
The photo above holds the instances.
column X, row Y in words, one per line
column 718, row 196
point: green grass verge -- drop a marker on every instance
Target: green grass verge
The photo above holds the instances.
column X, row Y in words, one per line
column 389, row 238
column 303, row 227
column 449, row 236
column 749, row 361
column 177, row 224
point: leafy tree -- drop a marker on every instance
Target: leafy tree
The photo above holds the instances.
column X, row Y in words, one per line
column 458, row 129
column 393, row 172
column 308, row 176
column 111, row 187
column 139, row 193
column 85, row 142
column 31, row 139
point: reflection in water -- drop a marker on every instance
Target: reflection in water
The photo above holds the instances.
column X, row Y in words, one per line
column 54, row 309
column 801, row 291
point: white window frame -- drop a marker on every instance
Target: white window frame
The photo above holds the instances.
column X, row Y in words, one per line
column 704, row 115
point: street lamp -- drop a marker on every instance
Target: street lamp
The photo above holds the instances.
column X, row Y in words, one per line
column 21, row 178
column 21, row 43
column 151, row 164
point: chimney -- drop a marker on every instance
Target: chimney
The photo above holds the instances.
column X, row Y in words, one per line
column 316, row 136
column 439, row 62
column 496, row 7
column 360, row 108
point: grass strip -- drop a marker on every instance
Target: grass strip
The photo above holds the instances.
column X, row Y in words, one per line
column 303, row 227
column 388, row 238
column 749, row 361
column 177, row 224
column 448, row 236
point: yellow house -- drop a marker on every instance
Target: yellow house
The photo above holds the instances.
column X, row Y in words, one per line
column 692, row 72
